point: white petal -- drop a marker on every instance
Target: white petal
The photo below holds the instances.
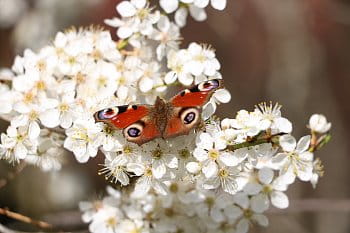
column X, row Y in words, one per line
column 158, row 169
column 126, row 9
column 146, row 84
column 171, row 161
column 288, row 142
column 185, row 78
column 208, row 110
column 279, row 199
column 228, row 159
column 198, row 13
column 303, row 144
column 242, row 200
column 252, row 188
column 266, row 175
column 306, row 156
column 233, row 212
column 284, row 125
column 34, row 130
column 136, row 168
column 262, row 220
column 210, row 169
column 200, row 154
column 217, row 215
column 139, row 3
column 170, row 77
column 20, row 151
column 218, row 4
column 222, row 95
column 259, row 203
column 160, row 188
column 169, row 6
column 124, row 32
column 50, row 118
column 163, row 23
column 201, row 3
column 181, row 16
column 123, row 178
column 193, row 167
column 242, row 226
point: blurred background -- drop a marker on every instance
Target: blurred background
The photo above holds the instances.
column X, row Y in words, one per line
column 293, row 52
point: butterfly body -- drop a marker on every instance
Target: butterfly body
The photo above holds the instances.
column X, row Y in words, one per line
column 165, row 119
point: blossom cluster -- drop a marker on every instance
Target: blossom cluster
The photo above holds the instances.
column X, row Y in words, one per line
column 220, row 178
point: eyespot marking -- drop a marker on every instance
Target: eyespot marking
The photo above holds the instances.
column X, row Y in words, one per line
column 133, row 131
column 189, row 116
column 209, row 85
column 105, row 114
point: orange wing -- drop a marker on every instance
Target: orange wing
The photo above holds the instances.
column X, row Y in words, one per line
column 188, row 107
column 137, row 125
column 197, row 95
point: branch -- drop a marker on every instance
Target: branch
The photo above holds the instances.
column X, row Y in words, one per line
column 25, row 219
column 265, row 138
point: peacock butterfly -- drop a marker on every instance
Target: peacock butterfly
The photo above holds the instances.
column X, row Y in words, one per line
column 165, row 119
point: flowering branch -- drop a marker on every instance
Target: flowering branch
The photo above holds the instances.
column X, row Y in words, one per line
column 221, row 178
column 25, row 219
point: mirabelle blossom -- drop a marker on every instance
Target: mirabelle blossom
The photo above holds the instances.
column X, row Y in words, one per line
column 221, row 177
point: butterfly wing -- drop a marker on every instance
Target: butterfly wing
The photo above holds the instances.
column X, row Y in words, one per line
column 134, row 120
column 187, row 107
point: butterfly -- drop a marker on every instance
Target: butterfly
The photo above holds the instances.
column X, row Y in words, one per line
column 164, row 119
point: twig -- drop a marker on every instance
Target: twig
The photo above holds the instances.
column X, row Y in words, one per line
column 256, row 141
column 25, row 219
column 12, row 175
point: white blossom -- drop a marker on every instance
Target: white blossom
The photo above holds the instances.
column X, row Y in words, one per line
column 318, row 123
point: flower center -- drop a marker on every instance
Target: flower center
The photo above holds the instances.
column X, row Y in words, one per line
column 213, row 154
column 267, row 189
column 184, row 153
column 28, row 97
column 174, row 188
column 247, row 213
column 111, row 222
column 41, row 65
column 80, row 78
column 64, row 107
column 72, row 60
column 127, row 149
column 143, row 13
column 157, row 153
column 40, row 85
column 148, row 172
column 102, row 81
column 223, row 173
column 209, row 201
column 33, row 115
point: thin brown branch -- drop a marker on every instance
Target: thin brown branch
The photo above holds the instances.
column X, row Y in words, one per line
column 25, row 219
column 260, row 139
column 11, row 175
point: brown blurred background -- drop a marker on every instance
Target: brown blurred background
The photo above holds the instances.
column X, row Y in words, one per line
column 294, row 52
